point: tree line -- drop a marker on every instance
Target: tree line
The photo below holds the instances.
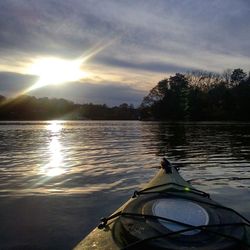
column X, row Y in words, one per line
column 199, row 96
column 193, row 96
column 31, row 108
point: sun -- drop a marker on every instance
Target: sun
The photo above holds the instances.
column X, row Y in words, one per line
column 53, row 71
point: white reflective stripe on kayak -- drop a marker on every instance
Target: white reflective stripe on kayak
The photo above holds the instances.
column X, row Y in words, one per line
column 181, row 210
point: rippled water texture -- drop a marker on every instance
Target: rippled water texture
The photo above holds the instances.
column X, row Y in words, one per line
column 58, row 178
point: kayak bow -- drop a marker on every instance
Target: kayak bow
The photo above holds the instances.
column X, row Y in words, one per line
column 170, row 214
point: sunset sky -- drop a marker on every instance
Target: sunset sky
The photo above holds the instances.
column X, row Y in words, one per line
column 115, row 51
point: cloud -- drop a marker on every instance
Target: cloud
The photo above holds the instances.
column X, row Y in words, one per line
column 51, row 26
column 148, row 66
column 110, row 94
column 152, row 38
column 13, row 83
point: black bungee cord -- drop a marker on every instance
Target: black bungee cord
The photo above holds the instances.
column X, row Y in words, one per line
column 206, row 228
column 177, row 193
column 147, row 191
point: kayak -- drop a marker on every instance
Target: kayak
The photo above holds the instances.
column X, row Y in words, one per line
column 169, row 213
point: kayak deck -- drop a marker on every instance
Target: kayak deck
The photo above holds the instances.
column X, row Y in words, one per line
column 148, row 219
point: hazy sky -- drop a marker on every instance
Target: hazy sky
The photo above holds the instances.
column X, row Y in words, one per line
column 125, row 47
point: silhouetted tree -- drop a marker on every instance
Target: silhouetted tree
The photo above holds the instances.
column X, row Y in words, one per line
column 156, row 94
column 176, row 98
column 237, row 76
column 203, row 80
column 226, row 77
column 167, row 100
column 200, row 95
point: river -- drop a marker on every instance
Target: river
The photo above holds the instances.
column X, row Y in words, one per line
column 57, row 178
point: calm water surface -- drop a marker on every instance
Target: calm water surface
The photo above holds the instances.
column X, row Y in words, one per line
column 58, row 178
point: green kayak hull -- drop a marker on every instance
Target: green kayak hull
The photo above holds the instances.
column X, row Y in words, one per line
column 138, row 225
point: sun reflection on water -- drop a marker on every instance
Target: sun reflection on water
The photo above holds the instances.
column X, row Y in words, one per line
column 55, row 126
column 55, row 165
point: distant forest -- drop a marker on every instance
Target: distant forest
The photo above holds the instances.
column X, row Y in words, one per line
column 200, row 96
column 194, row 96
column 31, row 108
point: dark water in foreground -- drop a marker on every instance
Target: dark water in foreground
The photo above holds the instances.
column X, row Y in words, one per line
column 58, row 178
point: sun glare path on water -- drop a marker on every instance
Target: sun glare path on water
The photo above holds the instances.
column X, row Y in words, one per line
column 55, row 166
